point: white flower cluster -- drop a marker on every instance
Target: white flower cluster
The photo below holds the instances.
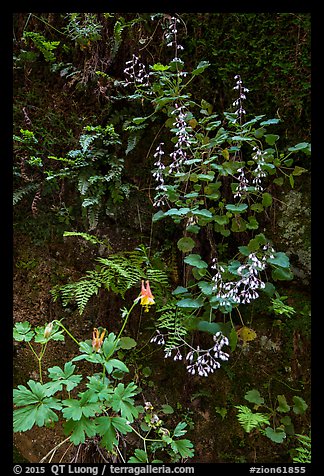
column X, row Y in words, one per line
column 158, row 175
column 179, row 156
column 238, row 102
column 258, row 171
column 242, row 185
column 258, row 174
column 136, row 72
column 246, row 288
column 200, row 361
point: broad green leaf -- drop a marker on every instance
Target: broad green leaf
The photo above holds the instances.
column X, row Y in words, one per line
column 271, row 138
column 76, row 409
column 167, row 409
column 180, row 429
column 269, row 121
column 211, row 327
column 221, row 219
column 115, row 364
column 201, row 67
column 122, row 401
column 206, row 288
column 190, row 303
column 23, row 332
column 300, row 406
column 127, row 343
column 177, row 212
column 140, row 456
column 79, row 429
column 252, row 224
column 139, row 120
column 23, row 396
column 195, row 260
column 279, row 259
column 305, row 146
column 202, row 213
column 40, row 414
column 277, row 435
column 186, row 244
column 99, row 389
column 179, row 290
column 107, row 432
column 65, row 377
column 283, row 405
column 158, row 215
column 160, row 67
column 281, row 274
column 254, row 396
column 236, row 208
column 244, row 250
column 299, row 170
column 266, row 199
column 184, row 447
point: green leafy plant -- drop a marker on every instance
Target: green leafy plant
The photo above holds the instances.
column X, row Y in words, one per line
column 98, row 180
column 214, row 178
column 281, row 423
column 302, row 453
column 98, row 407
column 117, row 272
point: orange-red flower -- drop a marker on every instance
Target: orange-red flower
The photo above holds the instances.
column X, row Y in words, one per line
column 97, row 340
column 146, row 296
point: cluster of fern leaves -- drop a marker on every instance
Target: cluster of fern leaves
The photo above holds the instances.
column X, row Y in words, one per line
column 117, row 272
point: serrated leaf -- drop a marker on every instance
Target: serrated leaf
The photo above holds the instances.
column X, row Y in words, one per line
column 23, row 332
column 77, row 409
column 79, row 429
column 184, row 447
column 250, row 420
column 115, row 364
column 65, row 377
column 140, row 456
column 180, row 429
column 123, row 402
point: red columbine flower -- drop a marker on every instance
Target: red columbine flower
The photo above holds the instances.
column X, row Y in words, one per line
column 96, row 340
column 146, row 296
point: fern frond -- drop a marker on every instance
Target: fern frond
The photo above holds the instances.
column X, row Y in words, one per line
column 86, row 288
column 93, row 239
column 250, row 420
column 172, row 323
column 21, row 192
